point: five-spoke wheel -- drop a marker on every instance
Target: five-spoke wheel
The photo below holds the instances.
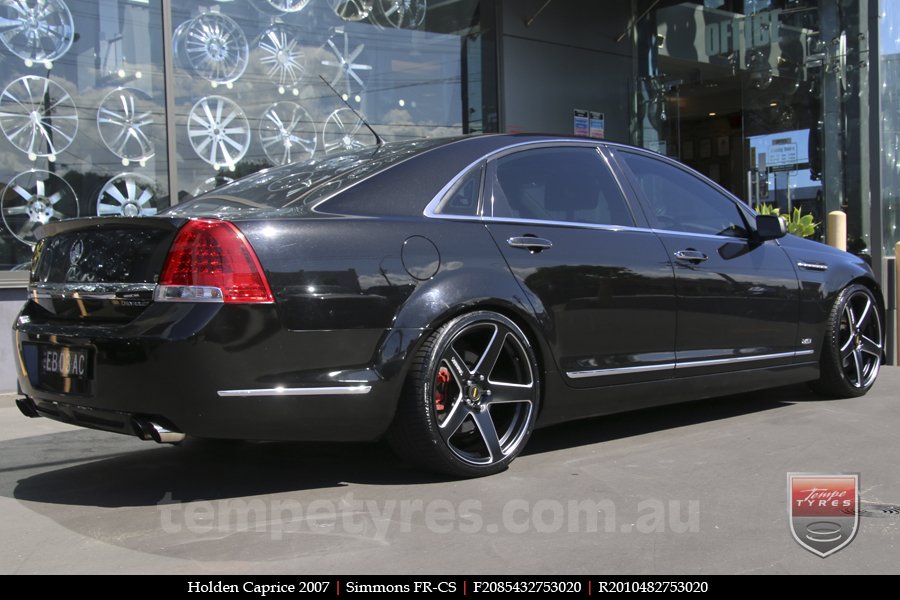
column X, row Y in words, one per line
column 471, row 398
column 854, row 344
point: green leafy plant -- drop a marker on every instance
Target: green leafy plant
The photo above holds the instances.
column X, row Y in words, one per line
column 795, row 222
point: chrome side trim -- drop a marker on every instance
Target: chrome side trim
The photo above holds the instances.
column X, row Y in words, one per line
column 685, row 365
column 619, row 371
column 347, row 390
column 725, row 361
column 812, row 266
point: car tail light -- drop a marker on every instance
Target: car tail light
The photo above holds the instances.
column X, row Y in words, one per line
column 212, row 261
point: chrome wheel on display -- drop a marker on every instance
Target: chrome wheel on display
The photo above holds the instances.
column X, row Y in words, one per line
column 351, row 10
column 128, row 195
column 287, row 133
column 401, row 14
column 214, row 47
column 345, row 65
column 36, row 31
column 279, row 6
column 282, row 56
column 124, row 125
column 35, row 198
column 219, row 131
column 472, row 398
column 343, row 131
column 38, row 116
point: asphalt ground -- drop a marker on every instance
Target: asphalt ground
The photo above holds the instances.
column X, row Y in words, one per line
column 697, row 488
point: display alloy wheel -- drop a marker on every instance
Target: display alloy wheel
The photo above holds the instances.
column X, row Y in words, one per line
column 287, row 133
column 124, row 125
column 345, row 62
column 279, row 7
column 214, row 46
column 128, row 195
column 400, row 14
column 351, row 10
column 854, row 345
column 471, row 398
column 38, row 116
column 37, row 31
column 282, row 56
column 343, row 131
column 219, row 131
column 36, row 198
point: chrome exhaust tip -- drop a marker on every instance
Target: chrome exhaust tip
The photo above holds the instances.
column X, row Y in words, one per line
column 26, row 407
column 151, row 430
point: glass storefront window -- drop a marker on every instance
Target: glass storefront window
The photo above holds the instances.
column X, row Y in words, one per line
column 82, row 115
column 889, row 60
column 767, row 97
column 90, row 127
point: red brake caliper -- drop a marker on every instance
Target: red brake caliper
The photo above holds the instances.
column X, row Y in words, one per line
column 440, row 388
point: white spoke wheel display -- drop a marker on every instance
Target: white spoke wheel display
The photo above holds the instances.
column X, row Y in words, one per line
column 282, row 56
column 401, row 14
column 854, row 344
column 36, row 30
column 128, row 195
column 287, row 133
column 38, row 116
column 352, row 10
column 472, row 398
column 344, row 131
column 124, row 121
column 279, row 6
column 34, row 198
column 214, row 47
column 345, row 62
column 219, row 131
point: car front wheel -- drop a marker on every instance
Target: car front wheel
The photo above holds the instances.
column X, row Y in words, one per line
column 471, row 398
column 851, row 355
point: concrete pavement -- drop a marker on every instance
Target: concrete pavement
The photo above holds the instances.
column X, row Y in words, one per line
column 696, row 488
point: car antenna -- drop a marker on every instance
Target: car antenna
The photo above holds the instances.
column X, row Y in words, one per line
column 378, row 139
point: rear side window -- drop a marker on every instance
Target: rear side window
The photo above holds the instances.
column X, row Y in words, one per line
column 557, row 184
column 680, row 201
column 463, row 197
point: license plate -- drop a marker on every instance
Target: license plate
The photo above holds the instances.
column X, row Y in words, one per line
column 60, row 363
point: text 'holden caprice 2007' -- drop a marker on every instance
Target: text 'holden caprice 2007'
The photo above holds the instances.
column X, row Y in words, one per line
column 448, row 295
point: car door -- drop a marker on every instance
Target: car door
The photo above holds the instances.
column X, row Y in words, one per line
column 738, row 299
column 602, row 287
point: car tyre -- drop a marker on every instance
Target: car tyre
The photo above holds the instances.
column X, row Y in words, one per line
column 853, row 345
column 470, row 399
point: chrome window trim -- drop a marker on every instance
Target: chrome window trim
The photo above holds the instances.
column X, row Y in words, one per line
column 345, row 390
column 684, row 365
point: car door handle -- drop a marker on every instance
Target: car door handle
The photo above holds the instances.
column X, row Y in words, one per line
column 530, row 243
column 691, row 255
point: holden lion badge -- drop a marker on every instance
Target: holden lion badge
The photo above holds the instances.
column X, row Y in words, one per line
column 823, row 510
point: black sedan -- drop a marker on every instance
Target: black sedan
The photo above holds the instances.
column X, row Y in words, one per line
column 447, row 295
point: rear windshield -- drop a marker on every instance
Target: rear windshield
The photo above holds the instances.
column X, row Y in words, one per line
column 301, row 186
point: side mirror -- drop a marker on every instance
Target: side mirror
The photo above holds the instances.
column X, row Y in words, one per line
column 769, row 227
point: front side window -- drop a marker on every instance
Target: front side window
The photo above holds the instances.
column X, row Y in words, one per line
column 557, row 184
column 679, row 201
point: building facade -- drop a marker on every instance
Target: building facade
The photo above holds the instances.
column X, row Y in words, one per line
column 126, row 107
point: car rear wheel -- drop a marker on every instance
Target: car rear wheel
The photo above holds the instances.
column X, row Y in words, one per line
column 471, row 397
column 851, row 356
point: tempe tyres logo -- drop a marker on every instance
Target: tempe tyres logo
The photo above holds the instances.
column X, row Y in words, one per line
column 823, row 510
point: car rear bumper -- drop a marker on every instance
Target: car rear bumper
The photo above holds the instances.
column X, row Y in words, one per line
column 214, row 371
